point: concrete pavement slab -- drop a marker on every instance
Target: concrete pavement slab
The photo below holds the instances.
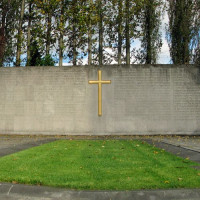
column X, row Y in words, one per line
column 26, row 192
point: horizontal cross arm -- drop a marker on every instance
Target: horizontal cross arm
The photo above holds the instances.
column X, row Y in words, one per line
column 97, row 82
column 94, row 82
column 105, row 82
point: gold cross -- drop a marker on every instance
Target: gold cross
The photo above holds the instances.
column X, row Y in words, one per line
column 99, row 82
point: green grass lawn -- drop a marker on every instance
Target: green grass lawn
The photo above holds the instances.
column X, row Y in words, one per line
column 99, row 165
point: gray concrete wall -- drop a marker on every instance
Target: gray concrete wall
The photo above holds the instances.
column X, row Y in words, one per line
column 142, row 99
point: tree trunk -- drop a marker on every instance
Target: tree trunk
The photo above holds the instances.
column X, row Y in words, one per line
column 74, row 46
column 148, row 16
column 119, row 32
column 29, row 34
column 74, row 34
column 127, row 33
column 180, row 32
column 2, row 45
column 100, row 33
column 48, row 42
column 61, row 50
column 2, row 36
column 19, row 35
column 90, row 35
column 61, row 45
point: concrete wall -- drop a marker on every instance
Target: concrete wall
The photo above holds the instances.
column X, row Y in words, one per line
column 142, row 99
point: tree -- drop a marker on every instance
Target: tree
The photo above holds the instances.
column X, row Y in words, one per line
column 35, row 56
column 61, row 17
column 61, row 28
column 126, row 23
column 4, row 9
column 46, row 61
column 127, row 31
column 181, row 30
column 100, row 24
column 90, row 23
column 74, row 31
column 119, row 22
column 30, row 18
column 8, row 15
column 102, row 31
column 47, row 9
column 196, row 38
column 36, row 59
column 116, row 29
column 19, row 35
column 77, row 31
column 150, row 24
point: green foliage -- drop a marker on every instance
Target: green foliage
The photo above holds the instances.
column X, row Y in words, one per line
column 99, row 165
column 150, row 34
column 183, row 30
column 8, row 15
column 45, row 61
column 35, row 56
column 72, row 29
column 196, row 38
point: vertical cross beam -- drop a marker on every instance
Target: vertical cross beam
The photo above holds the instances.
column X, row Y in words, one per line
column 99, row 82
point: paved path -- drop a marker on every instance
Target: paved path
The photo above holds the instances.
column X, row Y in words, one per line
column 188, row 142
column 186, row 147
column 9, row 191
column 12, row 144
column 179, row 151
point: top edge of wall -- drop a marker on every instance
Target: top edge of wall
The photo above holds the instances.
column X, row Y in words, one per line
column 113, row 66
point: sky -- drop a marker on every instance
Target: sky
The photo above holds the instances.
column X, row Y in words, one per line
column 164, row 57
